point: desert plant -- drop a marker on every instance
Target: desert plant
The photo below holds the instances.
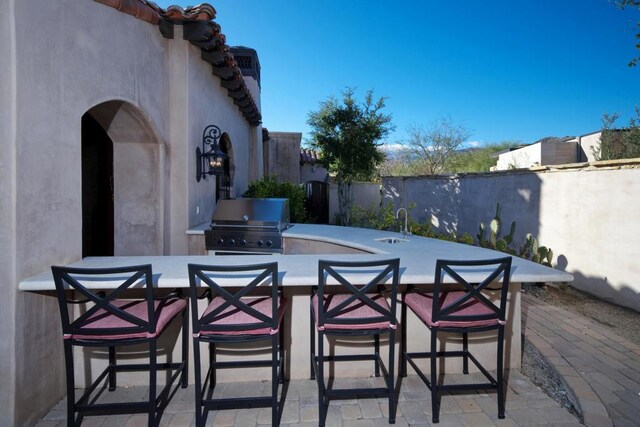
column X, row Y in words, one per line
column 384, row 218
column 529, row 250
column 495, row 241
column 270, row 187
column 532, row 251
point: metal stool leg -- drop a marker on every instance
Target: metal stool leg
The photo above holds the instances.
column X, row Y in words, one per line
column 391, row 378
column 435, row 407
column 499, row 375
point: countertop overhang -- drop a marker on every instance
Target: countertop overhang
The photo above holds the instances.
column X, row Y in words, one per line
column 417, row 255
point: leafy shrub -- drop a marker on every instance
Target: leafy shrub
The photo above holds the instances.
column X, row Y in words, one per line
column 384, row 218
column 270, row 187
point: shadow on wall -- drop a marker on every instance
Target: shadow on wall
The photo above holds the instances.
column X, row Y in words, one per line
column 459, row 203
column 599, row 286
column 572, row 210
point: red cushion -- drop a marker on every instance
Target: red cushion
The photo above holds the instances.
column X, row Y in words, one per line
column 421, row 303
column 355, row 310
column 165, row 311
column 234, row 316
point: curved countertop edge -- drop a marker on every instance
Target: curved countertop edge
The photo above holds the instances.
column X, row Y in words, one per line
column 417, row 259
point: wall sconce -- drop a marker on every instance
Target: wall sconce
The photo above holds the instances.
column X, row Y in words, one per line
column 210, row 160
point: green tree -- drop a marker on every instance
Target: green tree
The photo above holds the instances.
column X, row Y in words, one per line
column 430, row 148
column 616, row 143
column 347, row 134
column 631, row 3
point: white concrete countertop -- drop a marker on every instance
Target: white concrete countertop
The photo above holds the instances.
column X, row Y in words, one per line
column 417, row 259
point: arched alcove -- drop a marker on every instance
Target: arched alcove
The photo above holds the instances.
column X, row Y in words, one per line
column 224, row 182
column 135, row 182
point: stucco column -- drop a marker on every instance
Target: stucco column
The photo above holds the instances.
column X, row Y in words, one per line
column 177, row 189
column 7, row 209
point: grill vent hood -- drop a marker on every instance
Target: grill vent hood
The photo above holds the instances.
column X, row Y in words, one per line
column 252, row 212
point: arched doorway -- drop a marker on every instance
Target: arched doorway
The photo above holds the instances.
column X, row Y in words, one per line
column 122, row 195
column 224, row 182
column 97, row 189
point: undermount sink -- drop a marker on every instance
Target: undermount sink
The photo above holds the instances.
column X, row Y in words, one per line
column 391, row 240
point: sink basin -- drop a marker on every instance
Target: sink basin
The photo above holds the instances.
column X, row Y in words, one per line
column 391, row 240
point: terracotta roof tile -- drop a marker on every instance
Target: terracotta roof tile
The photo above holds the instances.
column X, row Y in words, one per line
column 201, row 12
column 144, row 10
column 201, row 31
column 308, row 156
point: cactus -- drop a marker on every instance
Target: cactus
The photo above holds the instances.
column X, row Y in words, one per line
column 502, row 246
column 549, row 257
column 494, row 226
column 481, row 234
column 509, row 237
column 530, row 249
column 495, row 241
column 466, row 239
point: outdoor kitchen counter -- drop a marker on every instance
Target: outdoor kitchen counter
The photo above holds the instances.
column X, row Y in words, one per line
column 298, row 272
column 417, row 259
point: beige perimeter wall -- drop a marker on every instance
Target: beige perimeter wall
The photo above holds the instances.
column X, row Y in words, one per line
column 586, row 213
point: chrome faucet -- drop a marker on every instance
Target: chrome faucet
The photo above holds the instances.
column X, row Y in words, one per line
column 405, row 229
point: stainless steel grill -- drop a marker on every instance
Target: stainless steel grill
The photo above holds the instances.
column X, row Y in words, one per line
column 248, row 226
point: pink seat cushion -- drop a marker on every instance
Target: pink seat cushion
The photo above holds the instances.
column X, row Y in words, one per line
column 355, row 310
column 422, row 305
column 165, row 311
column 235, row 317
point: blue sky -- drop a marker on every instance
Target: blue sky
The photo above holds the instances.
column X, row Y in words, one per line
column 509, row 70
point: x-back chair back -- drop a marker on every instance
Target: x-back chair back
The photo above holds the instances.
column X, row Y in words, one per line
column 342, row 315
column 238, row 311
column 362, row 307
column 460, row 303
column 111, row 317
column 455, row 309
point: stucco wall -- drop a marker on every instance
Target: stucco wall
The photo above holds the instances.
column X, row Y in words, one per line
column 283, row 155
column 586, row 144
column 8, row 292
column 586, row 214
column 207, row 105
column 521, row 158
column 559, row 153
column 364, row 194
column 540, row 154
column 315, row 172
column 71, row 57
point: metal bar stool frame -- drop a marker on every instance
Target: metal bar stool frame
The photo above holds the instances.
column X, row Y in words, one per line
column 76, row 332
column 330, row 321
column 446, row 317
column 206, row 329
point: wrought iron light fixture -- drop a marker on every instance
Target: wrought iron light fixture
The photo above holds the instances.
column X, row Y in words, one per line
column 210, row 160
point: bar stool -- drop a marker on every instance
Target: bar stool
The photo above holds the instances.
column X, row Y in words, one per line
column 236, row 314
column 362, row 310
column 466, row 311
column 111, row 319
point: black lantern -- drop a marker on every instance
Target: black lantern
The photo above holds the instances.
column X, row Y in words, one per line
column 210, row 160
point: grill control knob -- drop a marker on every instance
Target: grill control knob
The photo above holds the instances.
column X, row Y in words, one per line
column 243, row 242
column 232, row 242
column 221, row 242
column 269, row 243
column 259, row 243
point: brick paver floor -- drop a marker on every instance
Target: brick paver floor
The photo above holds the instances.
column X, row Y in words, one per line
column 600, row 370
column 526, row 405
